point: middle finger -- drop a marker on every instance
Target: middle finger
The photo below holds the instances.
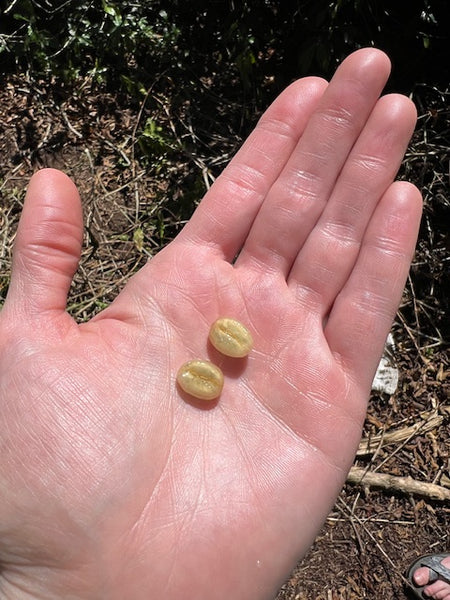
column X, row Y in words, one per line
column 298, row 197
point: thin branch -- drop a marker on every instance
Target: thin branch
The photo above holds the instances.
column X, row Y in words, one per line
column 392, row 483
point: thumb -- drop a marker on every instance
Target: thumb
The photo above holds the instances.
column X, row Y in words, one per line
column 47, row 246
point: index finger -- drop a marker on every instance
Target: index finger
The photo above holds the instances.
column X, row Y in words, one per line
column 226, row 214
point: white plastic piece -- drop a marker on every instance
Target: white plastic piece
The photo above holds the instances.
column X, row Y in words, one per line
column 386, row 377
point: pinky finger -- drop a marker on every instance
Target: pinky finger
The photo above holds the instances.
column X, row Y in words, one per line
column 363, row 312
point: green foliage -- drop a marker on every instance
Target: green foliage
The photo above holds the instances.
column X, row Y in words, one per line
column 153, row 141
column 131, row 43
column 269, row 39
column 102, row 38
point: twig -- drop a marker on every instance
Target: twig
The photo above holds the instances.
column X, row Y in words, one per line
column 69, row 124
column 371, row 444
column 344, row 508
column 405, row 485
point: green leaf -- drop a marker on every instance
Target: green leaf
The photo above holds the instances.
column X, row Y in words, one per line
column 113, row 11
column 138, row 239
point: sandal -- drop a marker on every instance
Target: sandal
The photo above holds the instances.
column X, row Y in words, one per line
column 437, row 571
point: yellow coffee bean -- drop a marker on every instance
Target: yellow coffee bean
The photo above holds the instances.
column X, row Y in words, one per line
column 230, row 337
column 201, row 379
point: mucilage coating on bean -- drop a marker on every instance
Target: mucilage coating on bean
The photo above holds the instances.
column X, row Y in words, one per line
column 231, row 337
column 200, row 379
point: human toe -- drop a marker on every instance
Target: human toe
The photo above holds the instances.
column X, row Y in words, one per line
column 429, row 576
column 439, row 590
column 421, row 576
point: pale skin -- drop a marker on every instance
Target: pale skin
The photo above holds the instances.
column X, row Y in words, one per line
column 115, row 485
column 438, row 590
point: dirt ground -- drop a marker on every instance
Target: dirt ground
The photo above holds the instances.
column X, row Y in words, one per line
column 140, row 167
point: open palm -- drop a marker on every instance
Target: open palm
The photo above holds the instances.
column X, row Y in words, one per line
column 114, row 484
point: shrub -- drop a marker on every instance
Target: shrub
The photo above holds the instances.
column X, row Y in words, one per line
column 257, row 39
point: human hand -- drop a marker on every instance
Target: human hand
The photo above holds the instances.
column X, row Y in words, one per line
column 115, row 485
